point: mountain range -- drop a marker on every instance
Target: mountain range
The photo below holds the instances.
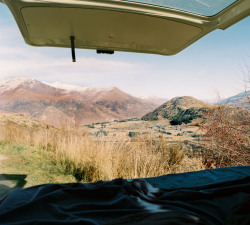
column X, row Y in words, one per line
column 60, row 104
column 157, row 100
column 63, row 104
column 242, row 99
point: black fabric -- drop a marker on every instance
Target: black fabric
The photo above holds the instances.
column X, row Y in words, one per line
column 240, row 214
column 120, row 202
column 160, row 218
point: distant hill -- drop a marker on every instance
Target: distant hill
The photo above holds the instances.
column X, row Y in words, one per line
column 242, row 99
column 62, row 104
column 156, row 100
column 180, row 109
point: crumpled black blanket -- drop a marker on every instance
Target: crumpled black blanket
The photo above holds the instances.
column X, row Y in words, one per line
column 123, row 202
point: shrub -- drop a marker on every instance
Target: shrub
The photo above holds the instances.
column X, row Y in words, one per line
column 175, row 122
column 227, row 137
column 150, row 117
column 101, row 133
column 187, row 120
column 196, row 135
column 133, row 134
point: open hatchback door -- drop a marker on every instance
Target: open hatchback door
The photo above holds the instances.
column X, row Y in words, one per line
column 148, row 26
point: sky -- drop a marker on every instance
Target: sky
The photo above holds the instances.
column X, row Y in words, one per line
column 215, row 64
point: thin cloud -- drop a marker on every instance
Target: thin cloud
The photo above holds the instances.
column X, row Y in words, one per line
column 32, row 59
column 16, row 61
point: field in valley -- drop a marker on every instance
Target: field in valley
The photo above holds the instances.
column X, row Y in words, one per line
column 35, row 153
column 152, row 130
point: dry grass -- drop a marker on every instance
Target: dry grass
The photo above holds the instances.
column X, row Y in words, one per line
column 76, row 153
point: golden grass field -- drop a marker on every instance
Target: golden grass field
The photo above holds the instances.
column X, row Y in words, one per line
column 126, row 149
column 91, row 157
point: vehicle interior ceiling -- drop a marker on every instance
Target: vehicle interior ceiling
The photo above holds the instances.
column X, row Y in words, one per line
column 131, row 26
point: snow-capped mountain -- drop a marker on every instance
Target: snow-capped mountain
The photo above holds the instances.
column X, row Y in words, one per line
column 12, row 83
column 72, row 87
column 60, row 104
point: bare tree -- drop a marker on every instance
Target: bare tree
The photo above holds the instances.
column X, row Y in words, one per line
column 227, row 132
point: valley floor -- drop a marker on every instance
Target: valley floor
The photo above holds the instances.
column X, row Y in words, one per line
column 152, row 130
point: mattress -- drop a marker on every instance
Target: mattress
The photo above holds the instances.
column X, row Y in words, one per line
column 217, row 196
